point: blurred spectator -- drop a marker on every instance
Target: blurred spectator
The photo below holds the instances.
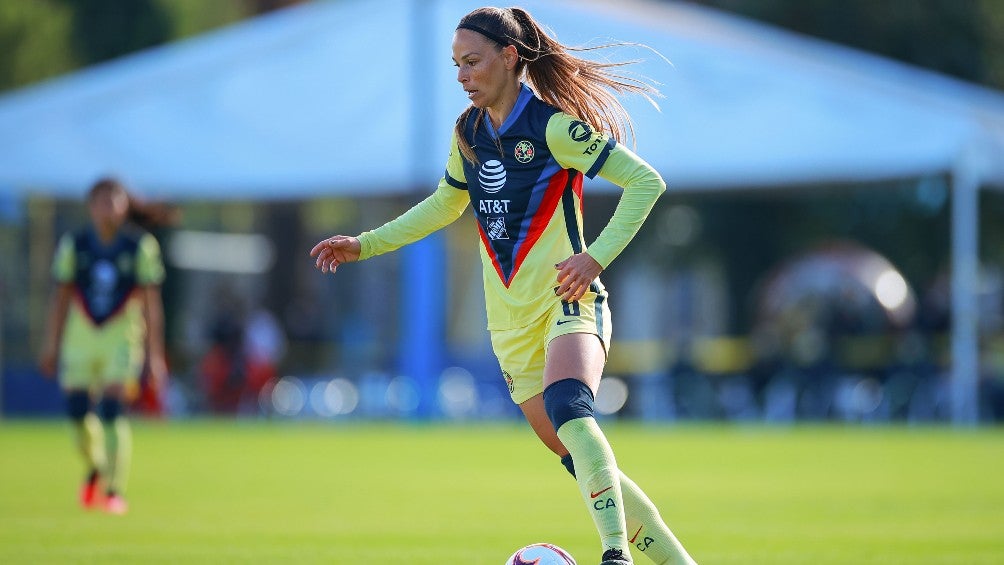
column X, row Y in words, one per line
column 223, row 370
column 244, row 354
column 264, row 347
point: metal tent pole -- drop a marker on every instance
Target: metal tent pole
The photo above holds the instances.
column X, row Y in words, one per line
column 423, row 281
column 965, row 283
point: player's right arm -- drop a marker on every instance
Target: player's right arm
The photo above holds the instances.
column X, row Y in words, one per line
column 62, row 271
column 58, row 308
column 435, row 212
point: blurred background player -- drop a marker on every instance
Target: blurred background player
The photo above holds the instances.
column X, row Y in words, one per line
column 106, row 318
column 518, row 157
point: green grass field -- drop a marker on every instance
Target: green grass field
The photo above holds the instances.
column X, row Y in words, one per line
column 259, row 492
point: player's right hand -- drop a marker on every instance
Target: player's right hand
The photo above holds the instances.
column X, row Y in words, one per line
column 333, row 251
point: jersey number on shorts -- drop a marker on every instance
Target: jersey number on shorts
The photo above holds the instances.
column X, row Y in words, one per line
column 570, row 308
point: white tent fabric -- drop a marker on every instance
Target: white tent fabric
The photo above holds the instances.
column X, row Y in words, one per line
column 357, row 97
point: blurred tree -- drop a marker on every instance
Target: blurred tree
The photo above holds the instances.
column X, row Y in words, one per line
column 262, row 6
column 962, row 38
column 192, row 17
column 105, row 29
column 34, row 41
column 44, row 38
column 993, row 32
column 40, row 39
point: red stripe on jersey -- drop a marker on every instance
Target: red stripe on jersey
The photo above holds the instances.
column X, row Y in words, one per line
column 577, row 189
column 543, row 215
column 82, row 302
column 491, row 253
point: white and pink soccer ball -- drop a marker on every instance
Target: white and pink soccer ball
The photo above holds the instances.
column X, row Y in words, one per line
column 541, row 554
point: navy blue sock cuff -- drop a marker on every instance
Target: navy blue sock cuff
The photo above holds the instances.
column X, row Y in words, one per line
column 567, row 399
column 78, row 404
column 111, row 408
column 568, row 463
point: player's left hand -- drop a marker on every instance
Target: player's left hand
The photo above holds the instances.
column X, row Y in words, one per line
column 158, row 372
column 575, row 274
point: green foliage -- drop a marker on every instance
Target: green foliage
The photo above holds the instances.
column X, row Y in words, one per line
column 105, row 29
column 45, row 38
column 34, row 42
column 192, row 17
column 992, row 32
column 959, row 38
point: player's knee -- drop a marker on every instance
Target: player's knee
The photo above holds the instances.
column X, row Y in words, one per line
column 78, row 403
column 567, row 399
column 568, row 463
column 111, row 408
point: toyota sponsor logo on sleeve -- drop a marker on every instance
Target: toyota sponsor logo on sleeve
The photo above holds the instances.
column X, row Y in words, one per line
column 579, row 131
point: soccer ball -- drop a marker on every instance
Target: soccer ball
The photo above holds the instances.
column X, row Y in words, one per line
column 540, row 554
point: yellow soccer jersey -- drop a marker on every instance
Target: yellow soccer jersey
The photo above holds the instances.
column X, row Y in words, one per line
column 526, row 194
column 106, row 278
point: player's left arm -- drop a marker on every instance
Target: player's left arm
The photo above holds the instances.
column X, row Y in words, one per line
column 642, row 187
column 154, row 313
column 149, row 277
column 575, row 145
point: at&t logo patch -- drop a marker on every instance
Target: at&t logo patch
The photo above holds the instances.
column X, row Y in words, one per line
column 492, row 176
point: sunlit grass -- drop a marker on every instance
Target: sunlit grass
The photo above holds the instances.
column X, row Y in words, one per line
column 259, row 492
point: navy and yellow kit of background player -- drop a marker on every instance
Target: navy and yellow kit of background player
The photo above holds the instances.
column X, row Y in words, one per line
column 526, row 194
column 103, row 341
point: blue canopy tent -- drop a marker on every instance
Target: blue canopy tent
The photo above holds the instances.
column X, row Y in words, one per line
column 358, row 98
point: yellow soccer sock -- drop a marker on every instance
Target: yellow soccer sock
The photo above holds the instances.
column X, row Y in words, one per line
column 598, row 478
column 118, row 438
column 90, row 441
column 647, row 531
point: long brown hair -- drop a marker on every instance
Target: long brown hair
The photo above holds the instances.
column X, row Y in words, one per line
column 585, row 89
column 148, row 215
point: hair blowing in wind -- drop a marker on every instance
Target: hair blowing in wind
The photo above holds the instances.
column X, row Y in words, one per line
column 577, row 86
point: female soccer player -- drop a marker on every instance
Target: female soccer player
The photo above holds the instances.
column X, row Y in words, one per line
column 106, row 315
column 518, row 157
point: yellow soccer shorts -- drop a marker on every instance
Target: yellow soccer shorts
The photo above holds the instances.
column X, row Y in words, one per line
column 522, row 351
column 94, row 357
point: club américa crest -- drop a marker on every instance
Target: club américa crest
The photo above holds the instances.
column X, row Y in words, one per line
column 524, row 151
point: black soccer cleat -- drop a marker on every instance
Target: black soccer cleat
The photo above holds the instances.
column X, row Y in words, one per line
column 614, row 557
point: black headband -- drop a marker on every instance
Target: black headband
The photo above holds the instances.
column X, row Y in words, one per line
column 494, row 37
